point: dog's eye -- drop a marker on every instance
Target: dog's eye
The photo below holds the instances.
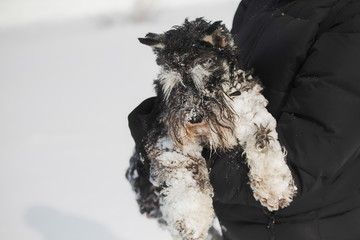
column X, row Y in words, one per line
column 206, row 98
column 236, row 93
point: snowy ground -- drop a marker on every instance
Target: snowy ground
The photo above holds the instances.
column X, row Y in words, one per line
column 66, row 89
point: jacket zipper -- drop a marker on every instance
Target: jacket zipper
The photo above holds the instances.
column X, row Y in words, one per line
column 271, row 223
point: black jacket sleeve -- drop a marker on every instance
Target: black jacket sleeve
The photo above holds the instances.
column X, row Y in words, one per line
column 319, row 124
column 140, row 120
column 312, row 82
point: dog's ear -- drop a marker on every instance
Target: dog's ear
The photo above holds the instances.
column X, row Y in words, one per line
column 153, row 40
column 215, row 35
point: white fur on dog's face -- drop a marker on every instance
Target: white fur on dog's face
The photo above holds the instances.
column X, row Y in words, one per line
column 199, row 74
column 168, row 80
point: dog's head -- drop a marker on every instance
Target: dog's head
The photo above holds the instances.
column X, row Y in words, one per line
column 196, row 81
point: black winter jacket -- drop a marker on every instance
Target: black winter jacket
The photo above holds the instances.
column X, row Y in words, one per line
column 307, row 54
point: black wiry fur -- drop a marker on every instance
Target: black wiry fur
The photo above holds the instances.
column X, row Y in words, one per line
column 180, row 49
column 200, row 78
column 184, row 48
column 147, row 195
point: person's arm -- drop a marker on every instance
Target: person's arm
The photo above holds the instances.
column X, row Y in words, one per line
column 319, row 125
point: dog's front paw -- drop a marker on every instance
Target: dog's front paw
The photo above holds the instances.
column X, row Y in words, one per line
column 273, row 193
column 186, row 195
column 186, row 231
column 191, row 216
column 270, row 177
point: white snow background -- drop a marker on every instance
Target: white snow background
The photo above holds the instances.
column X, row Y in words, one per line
column 67, row 84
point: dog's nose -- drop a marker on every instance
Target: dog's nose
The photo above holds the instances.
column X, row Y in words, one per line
column 195, row 119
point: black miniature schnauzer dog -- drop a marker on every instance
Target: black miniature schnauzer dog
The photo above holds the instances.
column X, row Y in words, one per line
column 204, row 100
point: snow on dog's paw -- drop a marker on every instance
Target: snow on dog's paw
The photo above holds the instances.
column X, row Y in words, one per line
column 277, row 195
column 187, row 232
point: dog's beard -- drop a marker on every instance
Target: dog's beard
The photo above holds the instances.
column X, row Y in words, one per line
column 216, row 131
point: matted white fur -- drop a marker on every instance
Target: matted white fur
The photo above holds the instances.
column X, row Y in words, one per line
column 182, row 223
column 186, row 206
column 270, row 176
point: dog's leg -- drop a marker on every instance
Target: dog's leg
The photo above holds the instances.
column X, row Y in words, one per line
column 186, row 195
column 147, row 195
column 270, row 176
